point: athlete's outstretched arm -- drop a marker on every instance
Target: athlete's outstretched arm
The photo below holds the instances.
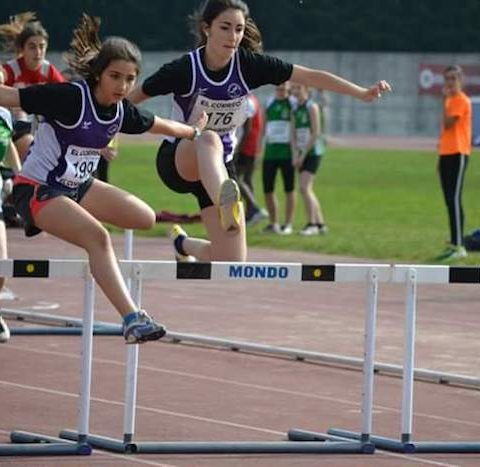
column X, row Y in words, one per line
column 324, row 80
column 168, row 127
column 9, row 97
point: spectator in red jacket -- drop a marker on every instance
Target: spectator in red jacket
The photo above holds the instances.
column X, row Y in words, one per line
column 248, row 149
column 28, row 39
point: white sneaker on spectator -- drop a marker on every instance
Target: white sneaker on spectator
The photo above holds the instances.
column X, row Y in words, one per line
column 314, row 229
column 273, row 228
column 256, row 217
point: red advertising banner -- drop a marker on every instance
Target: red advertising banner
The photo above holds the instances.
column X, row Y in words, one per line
column 430, row 79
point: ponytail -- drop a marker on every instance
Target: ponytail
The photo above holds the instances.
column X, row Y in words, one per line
column 19, row 29
column 89, row 57
column 84, row 46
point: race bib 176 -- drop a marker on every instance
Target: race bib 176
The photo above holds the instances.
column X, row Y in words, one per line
column 224, row 116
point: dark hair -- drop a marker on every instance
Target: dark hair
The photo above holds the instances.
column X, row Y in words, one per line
column 19, row 29
column 89, row 57
column 210, row 9
column 455, row 69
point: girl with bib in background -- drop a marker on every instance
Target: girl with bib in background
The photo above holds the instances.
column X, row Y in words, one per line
column 309, row 147
column 278, row 156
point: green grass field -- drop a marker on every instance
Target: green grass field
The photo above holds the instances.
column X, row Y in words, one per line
column 379, row 204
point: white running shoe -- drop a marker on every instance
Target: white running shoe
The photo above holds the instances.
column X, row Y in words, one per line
column 257, row 217
column 314, row 229
column 452, row 252
column 272, row 228
column 142, row 328
column 286, row 229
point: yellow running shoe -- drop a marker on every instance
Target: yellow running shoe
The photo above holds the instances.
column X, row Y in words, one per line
column 230, row 206
column 175, row 232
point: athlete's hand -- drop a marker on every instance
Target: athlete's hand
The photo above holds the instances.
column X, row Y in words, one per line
column 201, row 121
column 109, row 153
column 375, row 92
column 298, row 159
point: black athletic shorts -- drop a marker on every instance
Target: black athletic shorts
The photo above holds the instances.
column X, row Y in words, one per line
column 269, row 174
column 168, row 173
column 29, row 197
column 311, row 164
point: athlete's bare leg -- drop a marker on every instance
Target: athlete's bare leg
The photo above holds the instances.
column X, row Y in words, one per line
column 69, row 221
column 202, row 159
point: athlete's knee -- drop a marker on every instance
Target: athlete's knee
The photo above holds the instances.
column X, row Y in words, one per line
column 146, row 219
column 211, row 138
column 98, row 238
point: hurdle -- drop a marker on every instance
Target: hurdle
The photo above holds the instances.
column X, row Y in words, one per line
column 217, row 271
column 62, row 326
column 35, row 444
column 412, row 275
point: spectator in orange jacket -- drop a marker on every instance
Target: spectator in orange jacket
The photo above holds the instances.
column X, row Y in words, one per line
column 454, row 149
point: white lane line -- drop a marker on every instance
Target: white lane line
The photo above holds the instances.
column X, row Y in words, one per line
column 250, row 386
column 197, row 418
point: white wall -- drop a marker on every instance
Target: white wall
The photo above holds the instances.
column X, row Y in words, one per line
column 402, row 113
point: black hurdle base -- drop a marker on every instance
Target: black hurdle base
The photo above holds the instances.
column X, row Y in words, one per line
column 407, row 446
column 221, row 447
column 363, row 443
column 35, row 444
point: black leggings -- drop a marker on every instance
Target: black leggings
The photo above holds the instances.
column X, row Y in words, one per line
column 452, row 173
column 269, row 173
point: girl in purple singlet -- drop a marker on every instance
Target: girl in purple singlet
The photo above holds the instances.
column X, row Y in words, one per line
column 55, row 190
column 216, row 78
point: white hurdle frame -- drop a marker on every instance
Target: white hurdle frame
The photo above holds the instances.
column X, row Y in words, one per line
column 223, row 271
column 411, row 275
column 345, row 441
column 35, row 444
column 131, row 374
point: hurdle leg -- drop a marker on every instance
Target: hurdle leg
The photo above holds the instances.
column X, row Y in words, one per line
column 33, row 444
column 406, row 443
column 131, row 377
column 87, row 356
column 366, row 446
column 104, row 442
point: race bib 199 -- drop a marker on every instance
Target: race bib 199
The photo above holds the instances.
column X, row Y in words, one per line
column 81, row 163
column 224, row 116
